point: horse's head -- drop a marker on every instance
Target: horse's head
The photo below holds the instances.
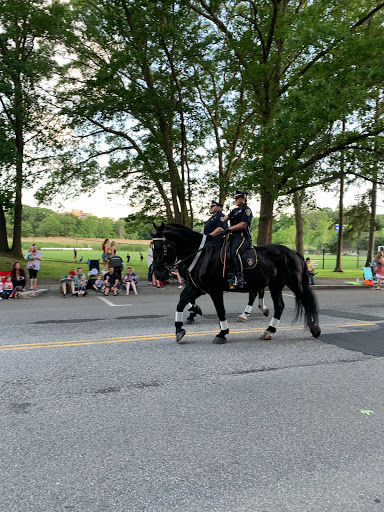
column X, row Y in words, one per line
column 164, row 253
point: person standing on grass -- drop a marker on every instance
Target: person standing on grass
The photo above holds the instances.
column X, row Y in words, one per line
column 33, row 257
column 310, row 270
column 151, row 276
column 104, row 254
column 379, row 269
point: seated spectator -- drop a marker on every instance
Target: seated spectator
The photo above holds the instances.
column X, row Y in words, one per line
column 18, row 276
column 98, row 285
column 130, row 280
column 1, row 289
column 7, row 288
column 111, row 281
column 82, row 286
column 68, row 280
column 80, row 276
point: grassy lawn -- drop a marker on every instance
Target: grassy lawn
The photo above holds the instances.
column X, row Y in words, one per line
column 57, row 263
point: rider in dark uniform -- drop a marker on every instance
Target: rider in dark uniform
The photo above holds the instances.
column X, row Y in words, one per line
column 215, row 224
column 240, row 235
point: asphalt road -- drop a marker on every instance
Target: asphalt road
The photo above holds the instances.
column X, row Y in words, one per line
column 102, row 411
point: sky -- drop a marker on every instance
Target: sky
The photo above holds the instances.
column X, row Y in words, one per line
column 101, row 206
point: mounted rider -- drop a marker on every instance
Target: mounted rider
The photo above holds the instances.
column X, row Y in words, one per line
column 239, row 236
column 216, row 224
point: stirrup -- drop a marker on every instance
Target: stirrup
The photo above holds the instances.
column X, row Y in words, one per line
column 232, row 281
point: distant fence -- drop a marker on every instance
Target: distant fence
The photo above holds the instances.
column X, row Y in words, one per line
column 326, row 260
column 66, row 249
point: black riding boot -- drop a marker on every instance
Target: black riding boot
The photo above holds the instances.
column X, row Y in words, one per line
column 236, row 279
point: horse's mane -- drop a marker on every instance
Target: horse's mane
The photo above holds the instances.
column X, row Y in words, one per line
column 178, row 226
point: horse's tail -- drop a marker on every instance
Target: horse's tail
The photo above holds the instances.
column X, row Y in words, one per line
column 305, row 298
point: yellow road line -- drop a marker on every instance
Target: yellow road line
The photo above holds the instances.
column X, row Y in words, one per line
column 143, row 337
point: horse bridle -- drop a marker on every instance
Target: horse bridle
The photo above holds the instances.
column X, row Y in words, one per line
column 165, row 252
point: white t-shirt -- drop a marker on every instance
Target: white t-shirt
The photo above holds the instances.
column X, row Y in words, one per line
column 149, row 256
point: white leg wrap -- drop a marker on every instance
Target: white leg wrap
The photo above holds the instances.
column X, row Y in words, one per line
column 179, row 316
column 274, row 323
column 261, row 302
column 189, row 305
column 248, row 309
column 224, row 325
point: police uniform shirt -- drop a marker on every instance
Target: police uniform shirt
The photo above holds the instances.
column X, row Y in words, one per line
column 241, row 214
column 216, row 221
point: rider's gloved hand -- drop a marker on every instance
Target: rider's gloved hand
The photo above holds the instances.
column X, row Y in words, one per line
column 225, row 232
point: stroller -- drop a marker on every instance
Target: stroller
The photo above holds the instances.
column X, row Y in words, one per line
column 94, row 269
column 117, row 263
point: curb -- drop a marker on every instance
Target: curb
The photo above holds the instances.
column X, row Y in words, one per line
column 31, row 293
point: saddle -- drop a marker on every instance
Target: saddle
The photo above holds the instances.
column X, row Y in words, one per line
column 248, row 257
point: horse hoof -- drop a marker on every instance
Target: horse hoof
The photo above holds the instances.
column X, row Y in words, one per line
column 266, row 336
column 316, row 332
column 219, row 341
column 180, row 335
column 242, row 319
column 266, row 312
column 190, row 321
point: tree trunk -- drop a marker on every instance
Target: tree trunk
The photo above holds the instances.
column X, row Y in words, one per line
column 372, row 225
column 266, row 218
column 341, row 212
column 341, row 220
column 3, row 231
column 16, row 249
column 298, row 198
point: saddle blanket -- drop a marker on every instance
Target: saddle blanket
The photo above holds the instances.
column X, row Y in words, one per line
column 248, row 258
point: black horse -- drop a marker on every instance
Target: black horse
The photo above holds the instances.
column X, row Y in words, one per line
column 200, row 263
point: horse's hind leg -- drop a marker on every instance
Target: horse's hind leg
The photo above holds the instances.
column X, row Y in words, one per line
column 187, row 295
column 218, row 301
column 263, row 308
column 248, row 308
column 278, row 304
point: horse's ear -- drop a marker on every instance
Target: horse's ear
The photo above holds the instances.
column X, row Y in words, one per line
column 154, row 225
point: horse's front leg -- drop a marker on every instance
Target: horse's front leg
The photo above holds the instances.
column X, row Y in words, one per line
column 189, row 294
column 218, row 301
column 278, row 304
column 194, row 310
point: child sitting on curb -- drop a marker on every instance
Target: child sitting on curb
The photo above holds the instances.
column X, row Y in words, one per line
column 131, row 280
column 7, row 288
column 99, row 283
